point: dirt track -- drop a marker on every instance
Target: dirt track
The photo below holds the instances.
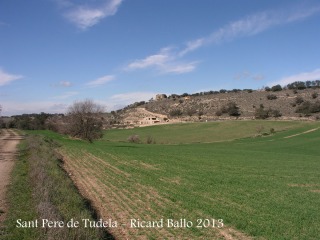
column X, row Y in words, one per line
column 8, row 150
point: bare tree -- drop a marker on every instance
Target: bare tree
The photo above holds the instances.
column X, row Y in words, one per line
column 85, row 120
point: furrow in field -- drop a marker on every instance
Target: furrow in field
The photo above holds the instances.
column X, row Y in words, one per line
column 134, row 197
column 114, row 200
column 101, row 192
column 89, row 189
column 138, row 195
column 150, row 197
column 148, row 193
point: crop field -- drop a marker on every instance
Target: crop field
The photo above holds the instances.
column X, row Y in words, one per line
column 265, row 187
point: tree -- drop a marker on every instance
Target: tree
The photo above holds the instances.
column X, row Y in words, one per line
column 261, row 113
column 276, row 88
column 231, row 108
column 85, row 120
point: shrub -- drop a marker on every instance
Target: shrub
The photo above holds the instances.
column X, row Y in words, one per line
column 259, row 129
column 314, row 95
column 293, row 104
column 276, row 88
column 200, row 113
column 261, row 113
column 299, row 100
column 271, row 97
column 315, row 107
column 191, row 111
column 231, row 108
column 175, row 113
column 272, row 131
column 308, row 108
column 134, row 139
column 150, row 140
column 275, row 113
column 218, row 112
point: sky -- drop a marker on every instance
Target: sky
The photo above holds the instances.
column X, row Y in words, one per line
column 116, row 52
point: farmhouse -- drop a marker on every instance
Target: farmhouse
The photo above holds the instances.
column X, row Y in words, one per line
column 150, row 120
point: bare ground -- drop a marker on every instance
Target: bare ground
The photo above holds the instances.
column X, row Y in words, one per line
column 311, row 130
column 9, row 140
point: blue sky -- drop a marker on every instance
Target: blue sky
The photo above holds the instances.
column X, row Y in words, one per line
column 116, row 52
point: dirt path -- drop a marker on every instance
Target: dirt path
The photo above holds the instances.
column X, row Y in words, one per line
column 9, row 140
column 311, row 130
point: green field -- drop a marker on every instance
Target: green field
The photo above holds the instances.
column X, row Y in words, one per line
column 201, row 132
column 264, row 187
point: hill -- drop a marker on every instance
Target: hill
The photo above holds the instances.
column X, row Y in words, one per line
column 259, row 104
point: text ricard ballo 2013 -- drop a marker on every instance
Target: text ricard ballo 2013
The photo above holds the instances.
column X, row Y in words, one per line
column 132, row 223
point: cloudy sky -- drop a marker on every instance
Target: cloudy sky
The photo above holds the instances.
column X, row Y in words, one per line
column 54, row 52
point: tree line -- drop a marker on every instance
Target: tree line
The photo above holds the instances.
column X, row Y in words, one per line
column 83, row 120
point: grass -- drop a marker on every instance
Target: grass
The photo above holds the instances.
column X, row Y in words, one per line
column 266, row 187
column 20, row 197
column 201, row 132
column 40, row 189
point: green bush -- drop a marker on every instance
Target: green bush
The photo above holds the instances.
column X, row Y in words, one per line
column 231, row 109
column 276, row 88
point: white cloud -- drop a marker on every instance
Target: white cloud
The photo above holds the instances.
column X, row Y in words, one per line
column 6, row 78
column 180, row 68
column 66, row 95
column 305, row 76
column 192, row 45
column 153, row 60
column 85, row 16
column 62, row 84
column 100, row 81
column 251, row 25
column 65, row 83
column 165, row 61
